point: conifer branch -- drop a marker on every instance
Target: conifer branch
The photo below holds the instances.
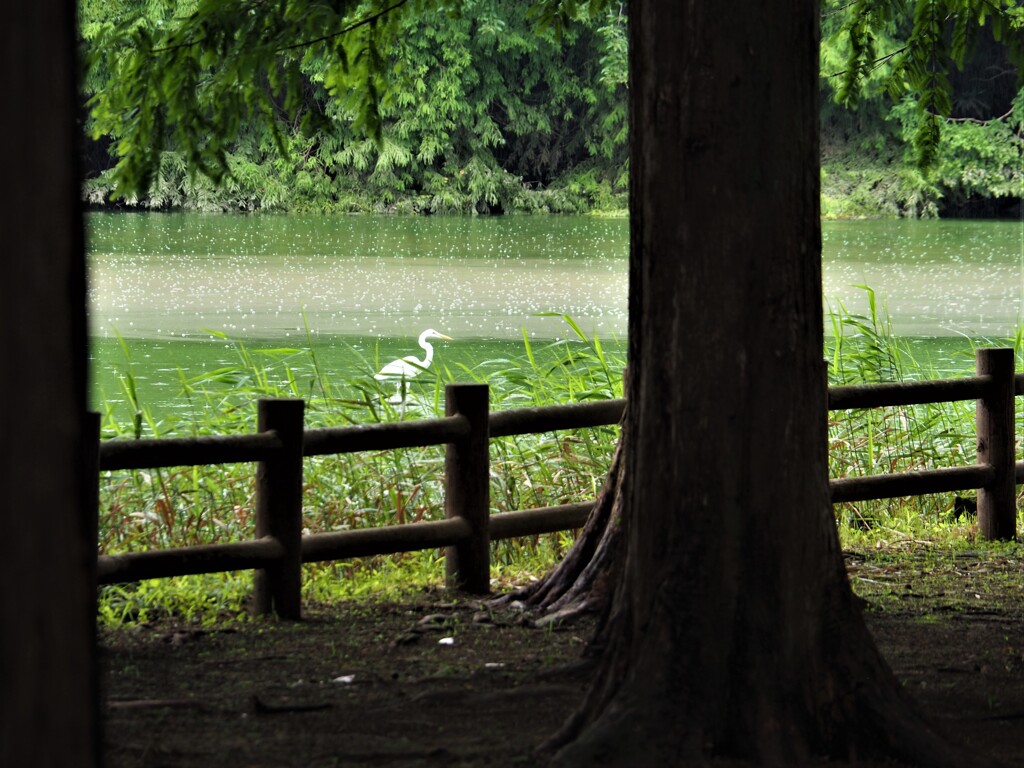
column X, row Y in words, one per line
column 344, row 31
column 874, row 64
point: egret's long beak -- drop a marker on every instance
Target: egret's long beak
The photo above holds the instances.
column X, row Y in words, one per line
column 446, row 338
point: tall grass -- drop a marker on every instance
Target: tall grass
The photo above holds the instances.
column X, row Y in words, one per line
column 864, row 349
column 208, row 504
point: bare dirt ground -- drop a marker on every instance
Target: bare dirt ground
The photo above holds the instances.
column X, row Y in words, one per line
column 439, row 681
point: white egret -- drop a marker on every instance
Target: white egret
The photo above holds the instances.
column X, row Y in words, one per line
column 402, row 370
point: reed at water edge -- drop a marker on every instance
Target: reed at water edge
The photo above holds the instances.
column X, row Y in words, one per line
column 163, row 508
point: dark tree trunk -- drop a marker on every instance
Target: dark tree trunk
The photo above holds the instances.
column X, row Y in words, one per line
column 733, row 632
column 48, row 701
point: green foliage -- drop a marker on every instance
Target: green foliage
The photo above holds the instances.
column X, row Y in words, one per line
column 376, row 105
column 922, row 112
column 984, row 158
column 873, row 182
column 189, row 81
column 204, row 599
column 912, row 49
column 479, row 106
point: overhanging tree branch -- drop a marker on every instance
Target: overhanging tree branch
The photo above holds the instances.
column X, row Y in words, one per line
column 350, row 28
column 370, row 19
column 875, row 64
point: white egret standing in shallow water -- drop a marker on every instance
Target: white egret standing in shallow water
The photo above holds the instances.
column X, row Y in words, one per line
column 410, row 366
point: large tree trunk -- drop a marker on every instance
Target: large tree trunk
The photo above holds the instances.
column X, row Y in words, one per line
column 48, row 701
column 733, row 632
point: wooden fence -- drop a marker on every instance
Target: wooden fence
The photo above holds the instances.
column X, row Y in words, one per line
column 281, row 442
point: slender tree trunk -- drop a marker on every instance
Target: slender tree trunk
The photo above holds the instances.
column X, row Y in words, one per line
column 733, row 631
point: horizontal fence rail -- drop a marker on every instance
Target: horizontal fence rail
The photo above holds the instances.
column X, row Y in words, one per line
column 995, row 474
column 185, row 561
column 281, row 442
column 464, row 541
column 377, row 437
column 187, row 451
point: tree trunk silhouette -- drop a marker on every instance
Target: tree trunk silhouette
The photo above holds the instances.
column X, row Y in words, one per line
column 49, row 692
column 732, row 632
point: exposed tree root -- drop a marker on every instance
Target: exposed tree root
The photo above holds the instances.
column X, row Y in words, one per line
column 585, row 579
column 848, row 710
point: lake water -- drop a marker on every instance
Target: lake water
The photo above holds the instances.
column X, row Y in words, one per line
column 937, row 278
column 362, row 288
column 173, row 276
column 163, row 276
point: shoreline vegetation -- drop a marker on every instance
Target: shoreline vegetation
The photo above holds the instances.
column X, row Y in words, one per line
column 197, row 505
column 854, row 186
column 449, row 136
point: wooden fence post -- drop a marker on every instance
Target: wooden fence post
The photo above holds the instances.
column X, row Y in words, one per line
column 278, row 588
column 467, row 489
column 997, row 501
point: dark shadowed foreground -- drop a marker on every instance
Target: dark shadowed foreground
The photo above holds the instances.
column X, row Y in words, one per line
column 379, row 685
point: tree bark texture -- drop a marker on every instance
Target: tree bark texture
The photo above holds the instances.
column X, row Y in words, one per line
column 733, row 633
column 48, row 699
